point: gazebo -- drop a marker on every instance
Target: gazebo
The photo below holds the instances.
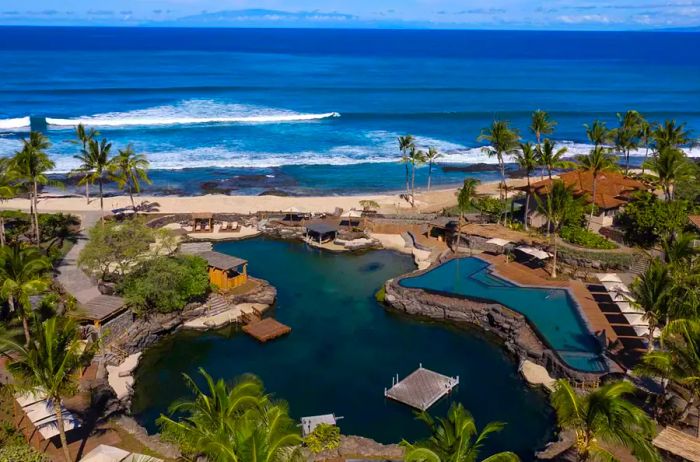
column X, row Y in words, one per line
column 293, row 214
column 225, row 272
column 321, row 232
column 351, row 218
column 203, row 222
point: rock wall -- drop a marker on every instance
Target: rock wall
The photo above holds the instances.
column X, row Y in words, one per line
column 518, row 337
column 146, row 331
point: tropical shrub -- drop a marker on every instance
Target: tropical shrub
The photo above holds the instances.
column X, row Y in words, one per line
column 581, row 236
column 21, row 452
column 646, row 219
column 324, row 436
column 56, row 228
column 489, row 206
column 165, row 284
column 114, row 248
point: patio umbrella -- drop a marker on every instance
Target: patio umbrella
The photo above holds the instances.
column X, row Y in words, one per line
column 608, row 277
column 104, row 453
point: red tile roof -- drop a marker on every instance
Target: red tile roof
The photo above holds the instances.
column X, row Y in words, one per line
column 612, row 189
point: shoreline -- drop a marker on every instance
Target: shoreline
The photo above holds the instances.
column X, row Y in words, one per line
column 426, row 201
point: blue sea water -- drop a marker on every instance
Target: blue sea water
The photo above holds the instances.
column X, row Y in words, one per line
column 320, row 110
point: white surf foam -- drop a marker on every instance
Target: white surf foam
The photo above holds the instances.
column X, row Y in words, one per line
column 191, row 112
column 10, row 124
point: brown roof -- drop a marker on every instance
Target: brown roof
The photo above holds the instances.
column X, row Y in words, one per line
column 612, row 189
column 678, row 443
column 221, row 260
column 695, row 220
column 202, row 216
column 100, row 308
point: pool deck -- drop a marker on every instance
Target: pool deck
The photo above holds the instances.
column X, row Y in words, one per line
column 522, row 275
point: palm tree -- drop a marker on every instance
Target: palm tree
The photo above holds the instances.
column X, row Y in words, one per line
column 232, row 424
column 597, row 161
column 129, row 170
column 670, row 165
column 31, row 165
column 677, row 361
column 431, row 157
column 503, row 141
column 51, row 364
column 651, row 293
column 8, row 190
column 597, row 133
column 551, row 158
column 465, row 196
column 669, row 135
column 645, row 132
column 95, row 165
column 555, row 206
column 527, row 160
column 604, row 416
column 626, row 136
column 416, row 158
column 83, row 137
column 22, row 274
column 405, row 144
column 454, row 439
column 541, row 124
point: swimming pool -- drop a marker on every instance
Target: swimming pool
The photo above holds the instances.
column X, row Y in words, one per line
column 551, row 311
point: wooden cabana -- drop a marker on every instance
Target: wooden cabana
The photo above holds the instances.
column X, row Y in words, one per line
column 294, row 214
column 321, row 232
column 225, row 272
column 203, row 222
column 443, row 228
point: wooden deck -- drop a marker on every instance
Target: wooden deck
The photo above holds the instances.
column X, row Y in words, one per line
column 421, row 389
column 678, row 443
column 266, row 329
column 522, row 275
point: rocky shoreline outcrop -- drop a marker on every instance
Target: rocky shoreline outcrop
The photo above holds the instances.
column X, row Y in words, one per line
column 512, row 328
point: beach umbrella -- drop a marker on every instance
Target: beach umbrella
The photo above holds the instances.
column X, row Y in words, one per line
column 608, row 277
column 104, row 453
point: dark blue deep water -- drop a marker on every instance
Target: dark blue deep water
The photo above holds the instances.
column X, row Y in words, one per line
column 320, row 110
column 343, row 350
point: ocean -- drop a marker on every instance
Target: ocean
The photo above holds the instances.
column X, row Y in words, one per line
column 300, row 111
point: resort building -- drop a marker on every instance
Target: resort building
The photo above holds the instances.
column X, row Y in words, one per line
column 225, row 272
column 613, row 191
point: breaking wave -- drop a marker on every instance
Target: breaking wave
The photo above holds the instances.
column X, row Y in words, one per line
column 11, row 124
column 189, row 113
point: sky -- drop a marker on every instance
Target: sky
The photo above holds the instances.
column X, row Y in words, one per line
column 439, row 14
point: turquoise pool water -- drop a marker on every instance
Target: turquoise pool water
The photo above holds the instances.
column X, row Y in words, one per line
column 342, row 351
column 551, row 311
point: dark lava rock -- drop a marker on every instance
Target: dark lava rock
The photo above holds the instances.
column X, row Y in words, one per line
column 470, row 168
column 238, row 182
column 277, row 192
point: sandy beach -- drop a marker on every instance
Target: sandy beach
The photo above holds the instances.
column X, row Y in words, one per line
column 432, row 201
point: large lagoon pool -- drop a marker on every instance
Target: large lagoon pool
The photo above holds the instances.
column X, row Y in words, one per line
column 551, row 311
column 343, row 350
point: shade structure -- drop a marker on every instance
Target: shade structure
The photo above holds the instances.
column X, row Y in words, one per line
column 537, row 253
column 352, row 213
column 105, row 453
column 635, row 319
column 292, row 210
column 615, row 287
column 50, row 429
column 608, row 277
column 499, row 242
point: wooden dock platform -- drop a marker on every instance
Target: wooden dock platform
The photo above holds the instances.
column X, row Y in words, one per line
column 266, row 329
column 309, row 424
column 421, row 389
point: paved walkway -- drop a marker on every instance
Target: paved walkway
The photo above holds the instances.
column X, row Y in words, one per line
column 73, row 279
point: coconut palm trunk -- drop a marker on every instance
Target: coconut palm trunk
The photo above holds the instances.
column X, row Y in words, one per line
column 36, row 212
column 430, row 174
column 2, row 231
column 102, row 205
column 527, row 205
column 504, row 189
column 554, row 257
column 413, row 184
column 590, row 219
column 61, row 428
column 131, row 196
column 87, row 192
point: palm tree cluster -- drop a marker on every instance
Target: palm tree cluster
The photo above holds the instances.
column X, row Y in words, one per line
column 412, row 157
column 238, row 423
column 128, row 169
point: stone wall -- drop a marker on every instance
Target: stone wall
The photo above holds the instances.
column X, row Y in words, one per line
column 146, row 331
column 117, row 326
column 518, row 337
